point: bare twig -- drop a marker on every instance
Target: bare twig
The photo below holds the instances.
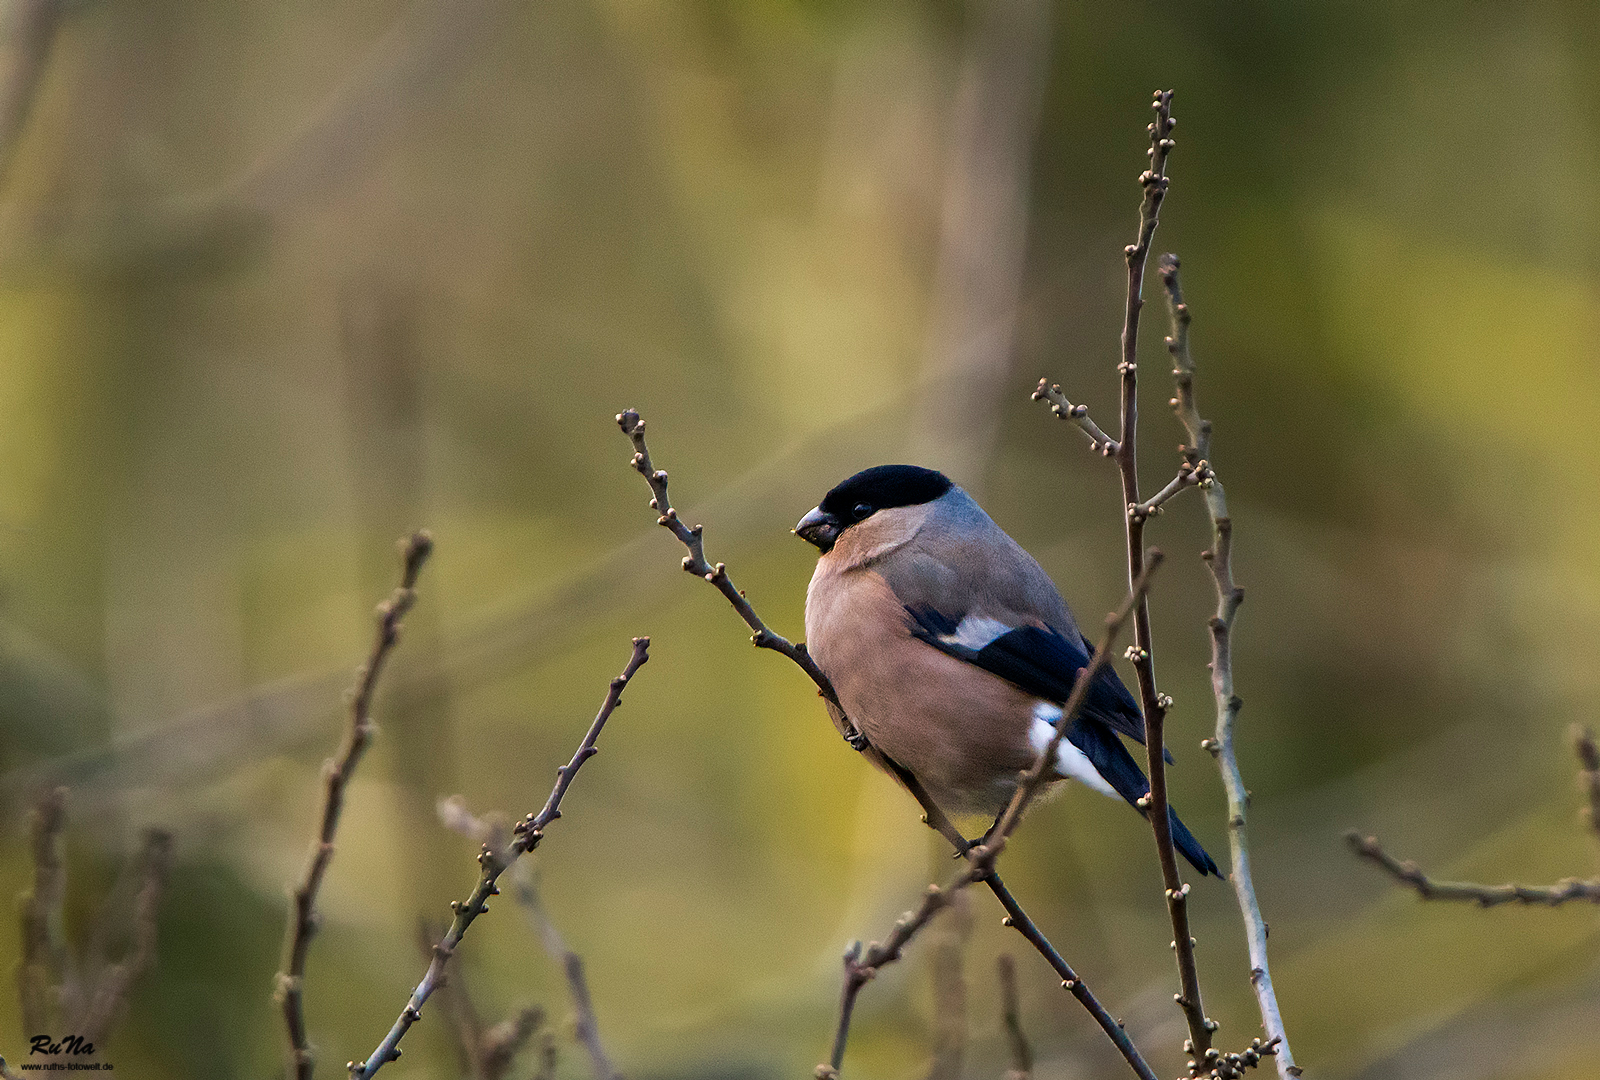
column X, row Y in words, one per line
column 633, row 426
column 303, row 917
column 1153, row 702
column 1099, row 441
column 45, row 968
column 587, row 1028
column 1484, row 895
column 5, row 1071
column 862, row 966
column 1011, row 1017
column 1583, row 745
column 525, row 837
column 695, row 563
column 1219, row 559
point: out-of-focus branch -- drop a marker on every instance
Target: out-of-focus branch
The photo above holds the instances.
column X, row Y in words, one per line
column 1409, row 873
column 486, row 1053
column 111, row 983
column 1219, row 559
column 586, row 1027
column 1011, row 1017
column 303, row 918
column 56, row 992
column 45, row 968
column 1583, row 745
column 5, row 1071
column 525, row 837
column 1016, row 917
column 861, row 966
column 27, row 35
column 947, row 951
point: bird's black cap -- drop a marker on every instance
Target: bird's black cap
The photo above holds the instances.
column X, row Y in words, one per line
column 883, row 487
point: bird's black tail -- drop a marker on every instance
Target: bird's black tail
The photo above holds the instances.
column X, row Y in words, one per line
column 1112, row 761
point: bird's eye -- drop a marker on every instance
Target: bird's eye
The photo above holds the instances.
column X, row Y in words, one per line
column 862, row 510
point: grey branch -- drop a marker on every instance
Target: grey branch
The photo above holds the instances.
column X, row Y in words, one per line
column 525, row 837
column 303, row 918
column 861, row 966
column 633, row 426
column 587, row 1028
column 111, row 981
column 1011, row 1017
column 1219, row 559
column 1409, row 873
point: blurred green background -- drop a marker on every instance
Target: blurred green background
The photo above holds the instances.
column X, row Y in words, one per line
column 279, row 281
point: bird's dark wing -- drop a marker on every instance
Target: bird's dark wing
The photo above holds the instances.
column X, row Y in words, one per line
column 1037, row 659
column 1112, row 761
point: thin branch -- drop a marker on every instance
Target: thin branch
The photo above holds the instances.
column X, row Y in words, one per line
column 5, row 1071
column 112, row 983
column 526, row 836
column 861, row 966
column 1099, row 441
column 303, row 918
column 1189, row 475
column 1583, row 745
column 1153, row 702
column 935, row 818
column 456, row 1004
column 1219, row 559
column 587, row 1028
column 1484, row 895
column 1011, row 1017
column 45, row 959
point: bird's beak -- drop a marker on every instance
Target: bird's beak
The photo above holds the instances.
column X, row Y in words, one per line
column 819, row 529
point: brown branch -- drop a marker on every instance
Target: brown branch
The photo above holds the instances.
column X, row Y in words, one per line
column 525, row 837
column 862, row 966
column 1153, row 702
column 1484, row 895
column 1583, row 745
column 303, row 918
column 45, row 969
column 485, row 1053
column 1219, row 559
column 586, row 1027
column 1011, row 1017
column 112, row 983
column 633, row 426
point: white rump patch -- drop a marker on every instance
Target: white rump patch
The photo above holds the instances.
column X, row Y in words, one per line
column 976, row 631
column 1070, row 761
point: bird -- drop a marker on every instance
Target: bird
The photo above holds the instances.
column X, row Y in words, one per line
column 951, row 651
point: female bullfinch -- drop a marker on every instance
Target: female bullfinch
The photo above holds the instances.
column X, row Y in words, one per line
column 951, row 650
